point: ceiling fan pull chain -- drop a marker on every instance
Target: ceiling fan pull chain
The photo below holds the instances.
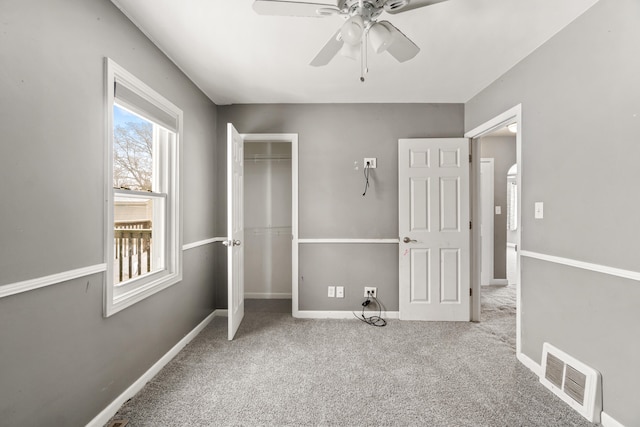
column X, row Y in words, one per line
column 363, row 56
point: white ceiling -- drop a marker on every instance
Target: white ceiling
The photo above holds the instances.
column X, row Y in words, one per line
column 237, row 56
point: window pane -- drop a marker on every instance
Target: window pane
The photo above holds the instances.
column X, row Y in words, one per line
column 137, row 250
column 132, row 151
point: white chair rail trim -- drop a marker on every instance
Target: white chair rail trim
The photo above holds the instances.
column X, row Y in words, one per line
column 41, row 282
column 53, row 279
column 612, row 271
column 364, row 241
column 188, row 246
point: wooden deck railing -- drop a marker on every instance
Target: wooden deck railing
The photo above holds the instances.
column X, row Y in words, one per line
column 132, row 240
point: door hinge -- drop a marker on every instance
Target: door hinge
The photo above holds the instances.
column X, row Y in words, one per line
column 470, row 157
column 470, row 292
column 470, row 225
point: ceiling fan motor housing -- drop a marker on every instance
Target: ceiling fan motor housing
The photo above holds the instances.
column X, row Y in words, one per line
column 392, row 5
column 371, row 8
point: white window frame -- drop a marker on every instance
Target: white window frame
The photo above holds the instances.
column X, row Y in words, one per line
column 119, row 297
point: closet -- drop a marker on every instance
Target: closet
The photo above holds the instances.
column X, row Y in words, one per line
column 267, row 219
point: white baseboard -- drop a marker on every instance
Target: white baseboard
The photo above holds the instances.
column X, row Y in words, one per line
column 317, row 314
column 221, row 312
column 103, row 417
column 529, row 363
column 267, row 295
column 607, row 421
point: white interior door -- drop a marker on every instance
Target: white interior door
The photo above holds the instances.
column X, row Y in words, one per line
column 434, row 229
column 235, row 229
column 486, row 220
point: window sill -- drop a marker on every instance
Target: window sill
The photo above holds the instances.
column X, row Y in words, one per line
column 123, row 298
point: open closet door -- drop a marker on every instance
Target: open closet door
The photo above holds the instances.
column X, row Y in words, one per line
column 235, row 228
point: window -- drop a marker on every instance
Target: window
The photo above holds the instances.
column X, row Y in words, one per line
column 143, row 240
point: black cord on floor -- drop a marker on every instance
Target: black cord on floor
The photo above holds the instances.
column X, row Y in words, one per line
column 372, row 320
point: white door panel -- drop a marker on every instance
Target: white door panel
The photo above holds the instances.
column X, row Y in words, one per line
column 434, row 229
column 235, row 229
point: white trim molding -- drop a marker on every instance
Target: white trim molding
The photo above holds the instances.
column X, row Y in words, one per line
column 267, row 295
column 135, row 95
column 612, row 271
column 291, row 138
column 318, row 314
column 512, row 115
column 608, row 421
column 192, row 245
column 497, row 122
column 530, row 363
column 103, row 417
column 53, row 279
column 358, row 241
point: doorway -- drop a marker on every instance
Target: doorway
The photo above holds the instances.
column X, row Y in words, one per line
column 267, row 219
column 498, row 152
column 235, row 240
column 511, row 117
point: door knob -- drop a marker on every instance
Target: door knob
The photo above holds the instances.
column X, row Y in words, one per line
column 226, row 242
column 408, row 240
column 236, row 243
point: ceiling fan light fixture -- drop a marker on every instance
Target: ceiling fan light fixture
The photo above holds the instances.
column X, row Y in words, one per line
column 350, row 51
column 380, row 37
column 352, row 30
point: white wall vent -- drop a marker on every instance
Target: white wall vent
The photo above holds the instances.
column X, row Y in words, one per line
column 577, row 384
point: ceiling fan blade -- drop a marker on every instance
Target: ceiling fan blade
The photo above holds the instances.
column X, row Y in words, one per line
column 329, row 50
column 291, row 8
column 413, row 4
column 401, row 47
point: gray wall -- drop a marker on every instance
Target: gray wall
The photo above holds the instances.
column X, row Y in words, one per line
column 331, row 138
column 503, row 150
column 61, row 362
column 580, row 95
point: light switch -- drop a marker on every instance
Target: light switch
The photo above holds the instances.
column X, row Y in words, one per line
column 538, row 210
column 498, row 210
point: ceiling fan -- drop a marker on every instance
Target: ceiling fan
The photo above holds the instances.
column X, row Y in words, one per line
column 360, row 28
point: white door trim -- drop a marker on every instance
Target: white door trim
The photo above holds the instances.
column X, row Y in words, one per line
column 488, row 224
column 293, row 139
column 512, row 115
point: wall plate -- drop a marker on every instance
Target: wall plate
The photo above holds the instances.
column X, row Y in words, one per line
column 373, row 163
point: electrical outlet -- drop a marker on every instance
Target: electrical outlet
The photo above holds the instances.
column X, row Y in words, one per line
column 339, row 291
column 370, row 291
column 372, row 162
column 331, row 293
